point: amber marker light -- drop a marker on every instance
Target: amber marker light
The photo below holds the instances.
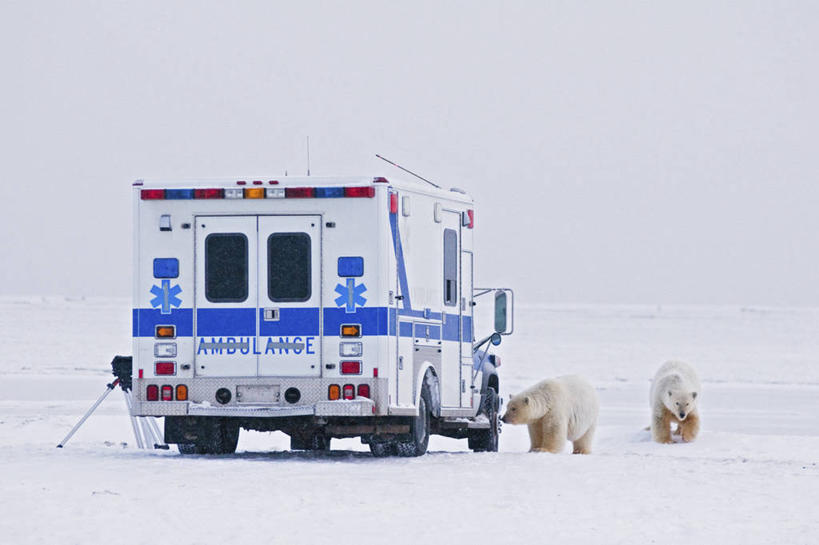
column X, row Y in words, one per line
column 334, row 392
column 181, row 392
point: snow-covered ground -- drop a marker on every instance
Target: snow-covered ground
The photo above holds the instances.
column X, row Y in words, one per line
column 751, row 477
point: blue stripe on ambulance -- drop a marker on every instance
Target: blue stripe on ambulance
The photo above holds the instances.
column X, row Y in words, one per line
column 296, row 321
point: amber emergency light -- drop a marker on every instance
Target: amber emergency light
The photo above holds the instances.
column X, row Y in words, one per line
column 166, row 331
column 351, row 330
column 254, row 193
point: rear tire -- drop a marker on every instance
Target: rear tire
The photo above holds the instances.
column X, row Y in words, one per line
column 186, row 448
column 419, row 429
column 217, row 436
column 487, row 440
column 383, row 450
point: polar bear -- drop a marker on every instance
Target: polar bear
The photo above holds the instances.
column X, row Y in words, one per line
column 674, row 395
column 556, row 410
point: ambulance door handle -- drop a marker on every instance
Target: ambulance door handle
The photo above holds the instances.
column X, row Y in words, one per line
column 271, row 315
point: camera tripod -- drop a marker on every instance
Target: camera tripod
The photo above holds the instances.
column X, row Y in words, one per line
column 146, row 430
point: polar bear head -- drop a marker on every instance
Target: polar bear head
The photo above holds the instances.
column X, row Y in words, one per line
column 522, row 409
column 679, row 400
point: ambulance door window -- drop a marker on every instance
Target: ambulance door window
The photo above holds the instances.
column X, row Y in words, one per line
column 288, row 267
column 226, row 267
column 450, row 267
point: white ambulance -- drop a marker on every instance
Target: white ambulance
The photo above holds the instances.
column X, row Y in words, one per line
column 320, row 307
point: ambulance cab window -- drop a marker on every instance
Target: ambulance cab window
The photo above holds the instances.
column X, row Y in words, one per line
column 226, row 266
column 288, row 267
column 450, row 267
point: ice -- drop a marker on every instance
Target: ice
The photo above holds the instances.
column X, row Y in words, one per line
column 751, row 477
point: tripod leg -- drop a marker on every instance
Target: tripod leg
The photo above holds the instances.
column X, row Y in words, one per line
column 159, row 440
column 146, row 432
column 134, row 424
column 88, row 413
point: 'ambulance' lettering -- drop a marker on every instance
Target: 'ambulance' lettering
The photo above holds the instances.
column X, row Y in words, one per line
column 248, row 345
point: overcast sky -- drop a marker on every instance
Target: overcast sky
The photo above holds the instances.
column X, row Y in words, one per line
column 618, row 152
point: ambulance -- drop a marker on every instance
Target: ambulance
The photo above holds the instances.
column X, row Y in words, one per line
column 320, row 307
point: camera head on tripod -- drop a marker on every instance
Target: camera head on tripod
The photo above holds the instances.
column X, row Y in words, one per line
column 121, row 366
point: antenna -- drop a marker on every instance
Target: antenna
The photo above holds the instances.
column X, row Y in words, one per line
column 308, row 156
column 409, row 171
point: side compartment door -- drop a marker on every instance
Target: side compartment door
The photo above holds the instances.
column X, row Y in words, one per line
column 225, row 300
column 289, row 274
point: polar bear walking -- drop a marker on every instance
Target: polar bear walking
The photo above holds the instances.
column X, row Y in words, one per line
column 557, row 410
column 674, row 393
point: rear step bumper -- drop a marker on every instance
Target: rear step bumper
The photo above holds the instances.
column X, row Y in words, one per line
column 354, row 407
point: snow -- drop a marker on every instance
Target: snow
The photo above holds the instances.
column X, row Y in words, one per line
column 751, row 477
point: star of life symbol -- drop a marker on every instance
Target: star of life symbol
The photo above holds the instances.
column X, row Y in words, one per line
column 350, row 295
column 166, row 296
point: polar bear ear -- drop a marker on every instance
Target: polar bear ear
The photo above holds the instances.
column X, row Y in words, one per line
column 526, row 400
column 694, row 395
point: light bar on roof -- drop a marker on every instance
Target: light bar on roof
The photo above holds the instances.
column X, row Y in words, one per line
column 259, row 193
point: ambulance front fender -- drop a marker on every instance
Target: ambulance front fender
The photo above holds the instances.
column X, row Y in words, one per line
column 426, row 372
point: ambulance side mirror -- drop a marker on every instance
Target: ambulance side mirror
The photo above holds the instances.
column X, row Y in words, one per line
column 504, row 321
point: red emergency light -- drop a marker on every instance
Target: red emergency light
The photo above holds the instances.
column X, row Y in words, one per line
column 299, row 192
column 351, row 368
column 212, row 193
column 152, row 194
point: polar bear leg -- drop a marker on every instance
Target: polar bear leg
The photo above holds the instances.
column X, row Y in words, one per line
column 535, row 435
column 553, row 435
column 583, row 444
column 690, row 427
column 661, row 427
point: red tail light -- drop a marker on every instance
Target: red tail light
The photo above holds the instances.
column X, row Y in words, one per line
column 152, row 194
column 351, row 368
column 471, row 214
column 152, row 393
column 299, row 192
column 375, row 372
column 165, row 368
column 213, row 193
column 363, row 390
column 368, row 191
column 393, row 203
column 348, row 391
column 167, row 392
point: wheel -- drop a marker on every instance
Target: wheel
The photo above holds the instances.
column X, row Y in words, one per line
column 419, row 429
column 217, row 436
column 186, row 448
column 487, row 440
column 382, row 450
